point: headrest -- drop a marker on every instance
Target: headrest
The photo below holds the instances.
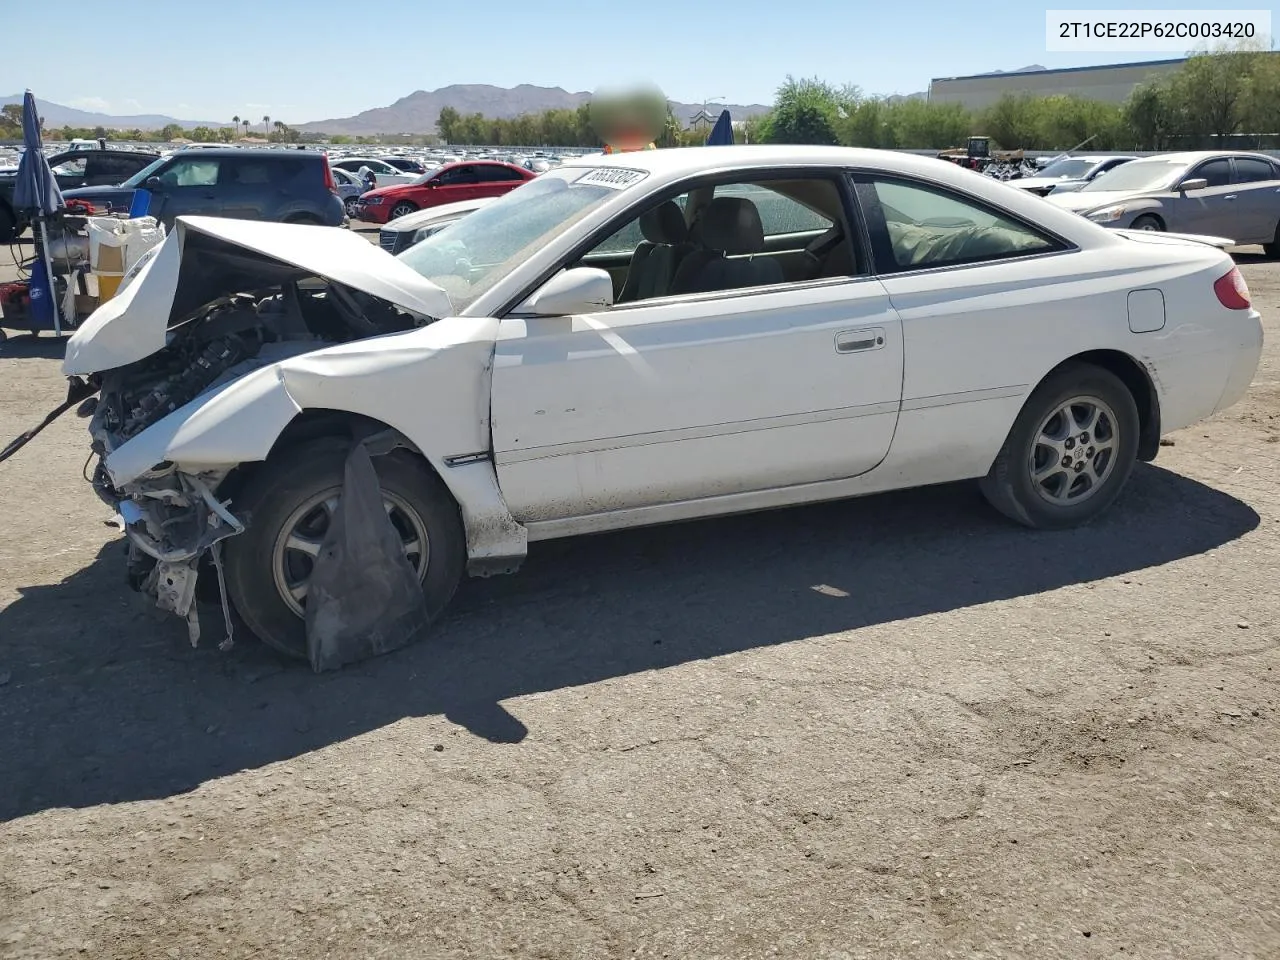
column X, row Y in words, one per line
column 664, row 224
column 732, row 224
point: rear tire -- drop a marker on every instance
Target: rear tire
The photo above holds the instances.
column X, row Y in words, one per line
column 1272, row 249
column 351, row 204
column 304, row 219
column 1070, row 451
column 402, row 209
column 256, row 580
column 1148, row 222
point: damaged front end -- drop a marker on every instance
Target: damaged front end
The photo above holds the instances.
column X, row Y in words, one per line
column 179, row 345
column 171, row 520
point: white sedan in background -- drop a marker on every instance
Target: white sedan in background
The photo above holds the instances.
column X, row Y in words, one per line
column 638, row 339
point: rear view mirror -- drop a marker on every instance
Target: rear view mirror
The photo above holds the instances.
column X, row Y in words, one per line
column 580, row 290
column 1195, row 183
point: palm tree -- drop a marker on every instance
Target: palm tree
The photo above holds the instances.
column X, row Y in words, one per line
column 246, row 126
column 235, row 121
column 266, row 123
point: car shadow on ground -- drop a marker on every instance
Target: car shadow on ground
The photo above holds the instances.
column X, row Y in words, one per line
column 104, row 702
column 30, row 346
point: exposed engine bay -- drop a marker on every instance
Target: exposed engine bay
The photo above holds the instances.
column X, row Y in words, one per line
column 173, row 520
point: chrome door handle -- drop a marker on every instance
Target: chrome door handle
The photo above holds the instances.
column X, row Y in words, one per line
column 1231, row 196
column 859, row 341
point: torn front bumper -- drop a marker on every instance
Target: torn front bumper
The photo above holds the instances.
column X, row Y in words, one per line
column 172, row 519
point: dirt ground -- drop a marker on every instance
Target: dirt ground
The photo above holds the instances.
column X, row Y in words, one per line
column 895, row 727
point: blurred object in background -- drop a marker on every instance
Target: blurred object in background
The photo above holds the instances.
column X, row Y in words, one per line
column 630, row 118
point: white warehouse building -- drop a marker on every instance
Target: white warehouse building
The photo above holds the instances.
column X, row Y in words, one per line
column 1110, row 83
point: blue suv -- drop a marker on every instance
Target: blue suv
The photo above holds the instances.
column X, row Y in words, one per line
column 285, row 186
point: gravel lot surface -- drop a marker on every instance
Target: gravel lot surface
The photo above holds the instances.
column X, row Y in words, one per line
column 894, row 727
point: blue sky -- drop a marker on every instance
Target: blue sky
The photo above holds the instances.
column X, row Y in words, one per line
column 294, row 59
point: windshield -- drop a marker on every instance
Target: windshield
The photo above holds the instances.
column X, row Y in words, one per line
column 1139, row 175
column 426, row 176
column 1068, row 168
column 139, row 178
column 481, row 248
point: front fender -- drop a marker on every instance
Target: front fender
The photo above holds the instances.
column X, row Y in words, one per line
column 233, row 424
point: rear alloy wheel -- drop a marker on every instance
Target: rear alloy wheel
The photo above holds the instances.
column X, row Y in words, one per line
column 402, row 209
column 1070, row 451
column 1148, row 222
column 290, row 505
column 353, row 205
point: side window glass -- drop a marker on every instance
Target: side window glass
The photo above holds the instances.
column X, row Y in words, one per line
column 930, row 228
column 1253, row 170
column 191, row 173
column 625, row 241
column 1217, row 172
column 72, row 167
column 779, row 214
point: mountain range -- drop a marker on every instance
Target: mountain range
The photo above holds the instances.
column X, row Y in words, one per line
column 56, row 115
column 418, row 112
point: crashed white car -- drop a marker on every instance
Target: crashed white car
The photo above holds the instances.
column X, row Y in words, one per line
column 638, row 339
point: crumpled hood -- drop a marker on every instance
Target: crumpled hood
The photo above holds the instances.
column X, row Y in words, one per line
column 134, row 324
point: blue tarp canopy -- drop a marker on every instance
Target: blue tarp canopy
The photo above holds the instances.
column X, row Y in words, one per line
column 35, row 188
column 722, row 132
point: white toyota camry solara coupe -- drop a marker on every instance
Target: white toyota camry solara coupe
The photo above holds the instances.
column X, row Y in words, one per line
column 637, row 339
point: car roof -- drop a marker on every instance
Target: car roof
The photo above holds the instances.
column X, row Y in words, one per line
column 679, row 162
column 1191, row 156
column 225, row 152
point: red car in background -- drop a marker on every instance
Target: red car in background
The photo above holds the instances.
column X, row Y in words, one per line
column 469, row 180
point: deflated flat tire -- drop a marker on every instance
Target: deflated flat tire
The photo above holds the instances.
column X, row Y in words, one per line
column 287, row 504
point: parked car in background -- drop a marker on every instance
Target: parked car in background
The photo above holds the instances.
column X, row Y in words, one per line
column 521, row 375
column 1232, row 195
column 88, row 166
column 1067, row 174
column 384, row 173
column 406, row 165
column 350, row 186
column 447, row 184
column 288, row 186
column 399, row 235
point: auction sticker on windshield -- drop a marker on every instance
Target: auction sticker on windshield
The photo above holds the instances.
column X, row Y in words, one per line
column 616, row 178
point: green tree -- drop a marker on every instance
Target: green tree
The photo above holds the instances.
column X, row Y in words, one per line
column 1011, row 122
column 1211, row 90
column 1150, row 116
column 805, row 111
column 447, row 124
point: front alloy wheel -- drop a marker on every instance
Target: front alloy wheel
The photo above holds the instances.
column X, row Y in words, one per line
column 289, row 503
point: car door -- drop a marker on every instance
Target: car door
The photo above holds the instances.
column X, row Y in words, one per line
column 188, row 186
column 245, row 188
column 1211, row 210
column 688, row 396
column 494, row 179
column 69, row 169
column 1257, row 189
column 460, row 182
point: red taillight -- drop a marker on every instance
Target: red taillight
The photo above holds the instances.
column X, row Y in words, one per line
column 329, row 182
column 1232, row 291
